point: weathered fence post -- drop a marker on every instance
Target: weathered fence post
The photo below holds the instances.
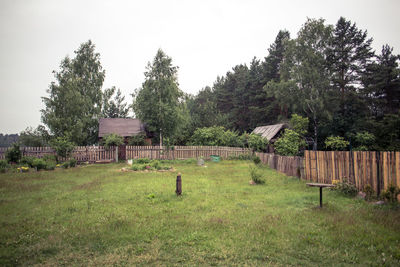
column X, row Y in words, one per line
column 178, row 190
column 116, row 154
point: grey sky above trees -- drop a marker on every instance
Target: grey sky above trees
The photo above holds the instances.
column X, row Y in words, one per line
column 204, row 39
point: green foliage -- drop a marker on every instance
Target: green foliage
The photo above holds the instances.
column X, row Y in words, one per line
column 299, row 124
column 346, row 188
column 73, row 105
column 369, row 192
column 146, row 164
column 72, row 162
column 364, row 140
column 27, row 160
column 62, row 146
column 215, row 136
column 142, row 161
column 33, row 137
column 289, row 144
column 157, row 102
column 7, row 140
column 336, row 143
column 256, row 142
column 114, row 108
column 256, row 175
column 3, row 166
column 39, row 164
column 137, row 140
column 13, row 154
column 113, row 139
column 65, row 165
column 391, row 194
column 256, row 160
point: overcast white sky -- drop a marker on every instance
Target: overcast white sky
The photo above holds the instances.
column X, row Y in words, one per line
column 204, row 38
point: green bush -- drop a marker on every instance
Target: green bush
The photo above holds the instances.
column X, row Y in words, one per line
column 39, row 164
column 336, row 143
column 369, row 192
column 72, row 162
column 135, row 167
column 364, row 141
column 62, row 146
column 49, row 157
column 65, row 165
column 142, row 161
column 27, row 160
column 3, row 166
column 391, row 193
column 256, row 175
column 346, row 188
column 257, row 142
column 113, row 140
column 256, row 160
column 13, row 154
column 215, row 136
column 289, row 144
column 137, row 140
column 50, row 165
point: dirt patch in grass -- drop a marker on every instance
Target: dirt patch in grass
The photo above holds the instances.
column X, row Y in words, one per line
column 92, row 185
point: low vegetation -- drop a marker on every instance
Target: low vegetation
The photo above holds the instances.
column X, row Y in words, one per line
column 98, row 215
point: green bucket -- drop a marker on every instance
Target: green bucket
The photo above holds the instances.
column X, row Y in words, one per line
column 215, row 158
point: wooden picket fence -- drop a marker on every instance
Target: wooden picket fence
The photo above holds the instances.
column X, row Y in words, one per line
column 90, row 154
column 99, row 153
column 377, row 169
column 183, row 152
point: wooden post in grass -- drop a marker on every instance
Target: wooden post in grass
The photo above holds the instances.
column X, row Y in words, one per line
column 178, row 190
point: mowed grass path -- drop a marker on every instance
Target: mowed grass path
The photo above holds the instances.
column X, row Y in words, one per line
column 97, row 215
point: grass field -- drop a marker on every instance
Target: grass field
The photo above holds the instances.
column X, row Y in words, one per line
column 97, row 215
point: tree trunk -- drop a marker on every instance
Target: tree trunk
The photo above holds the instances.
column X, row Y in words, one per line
column 161, row 141
column 315, row 134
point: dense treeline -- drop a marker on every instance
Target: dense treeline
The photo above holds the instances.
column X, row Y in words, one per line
column 328, row 73
column 7, row 139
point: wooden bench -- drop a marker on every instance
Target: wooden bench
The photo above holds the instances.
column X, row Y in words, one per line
column 320, row 190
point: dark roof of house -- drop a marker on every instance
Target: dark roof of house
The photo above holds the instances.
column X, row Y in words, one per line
column 122, row 127
column 269, row 131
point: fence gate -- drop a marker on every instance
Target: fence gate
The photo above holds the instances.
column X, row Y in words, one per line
column 122, row 152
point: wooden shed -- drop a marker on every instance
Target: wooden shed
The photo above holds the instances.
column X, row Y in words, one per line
column 271, row 133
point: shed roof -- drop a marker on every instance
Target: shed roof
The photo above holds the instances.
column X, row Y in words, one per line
column 122, row 127
column 269, row 131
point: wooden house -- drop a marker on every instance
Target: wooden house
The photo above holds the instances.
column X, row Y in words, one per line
column 123, row 127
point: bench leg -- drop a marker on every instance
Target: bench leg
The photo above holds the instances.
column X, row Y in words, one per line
column 320, row 197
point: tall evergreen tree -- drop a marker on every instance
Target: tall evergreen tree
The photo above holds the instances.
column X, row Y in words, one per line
column 74, row 102
column 158, row 101
column 348, row 55
column 382, row 83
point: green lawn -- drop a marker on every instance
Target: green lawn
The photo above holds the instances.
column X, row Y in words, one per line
column 97, row 215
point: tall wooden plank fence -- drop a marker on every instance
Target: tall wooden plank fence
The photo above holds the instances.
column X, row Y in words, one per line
column 292, row 166
column 377, row 169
